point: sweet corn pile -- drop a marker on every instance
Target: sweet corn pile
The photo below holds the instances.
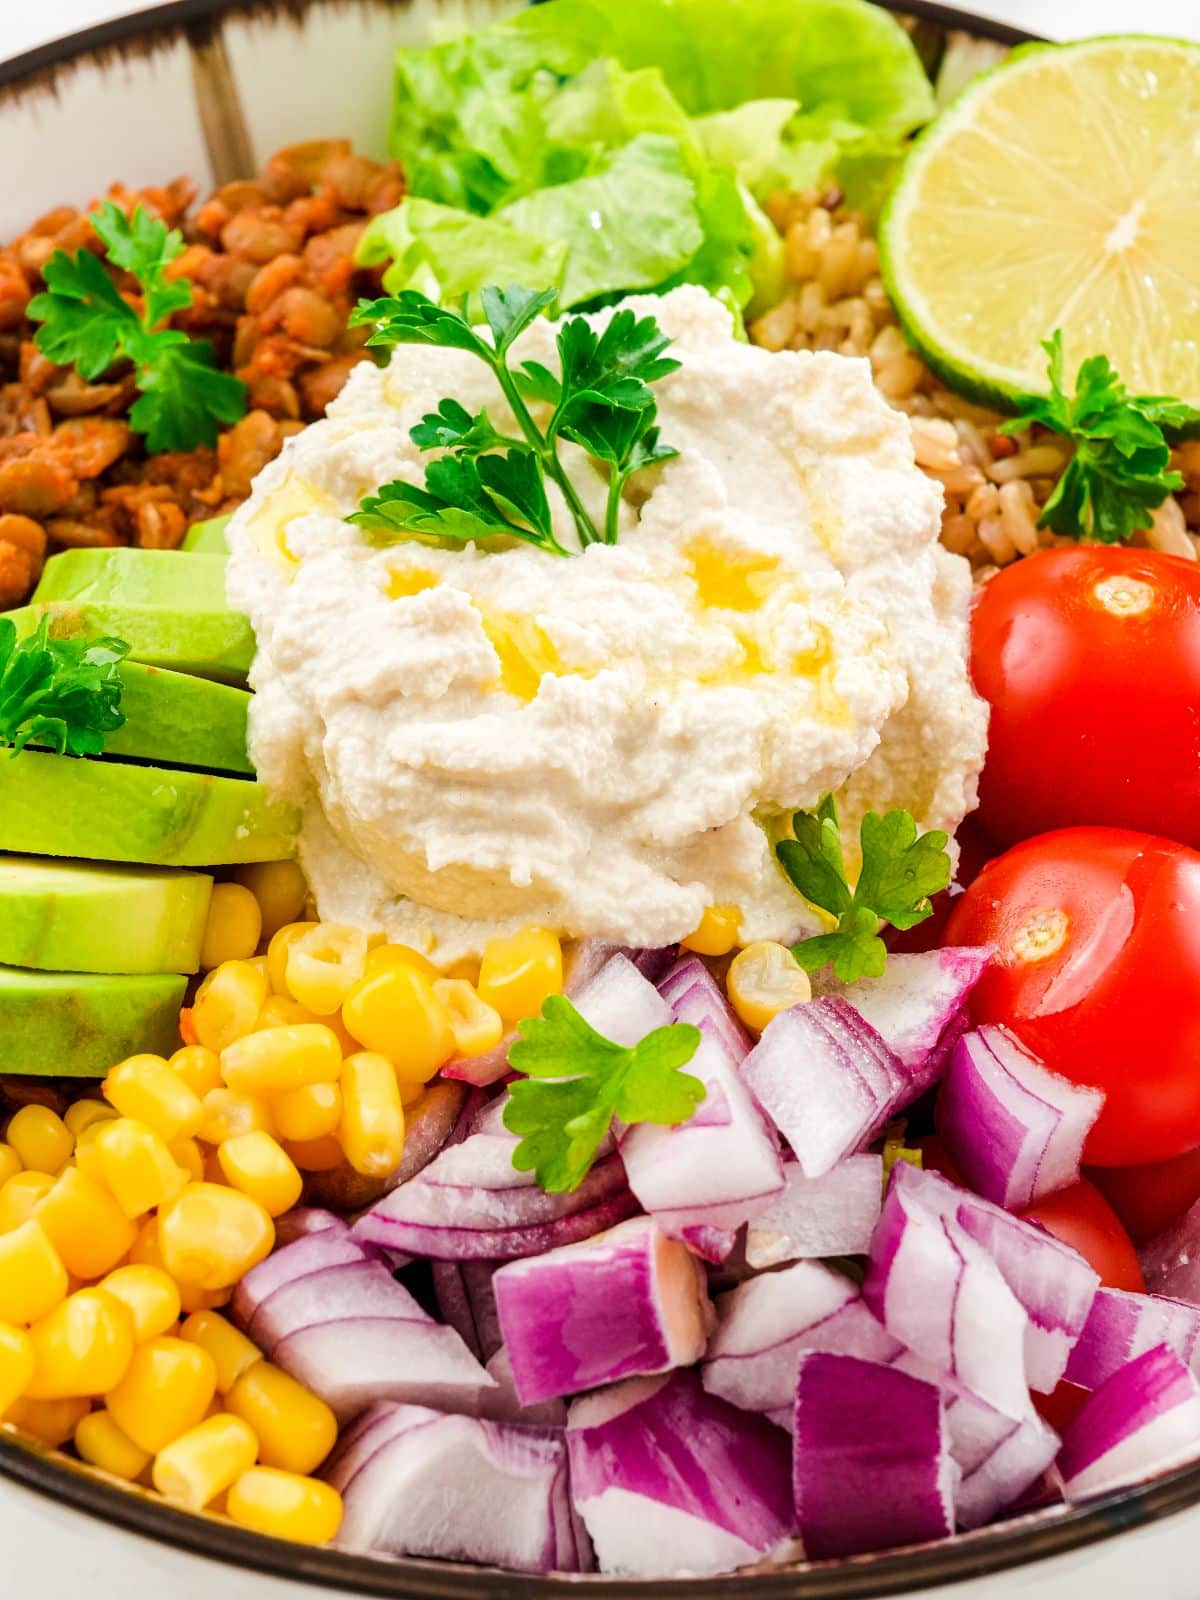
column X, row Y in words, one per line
column 126, row 1223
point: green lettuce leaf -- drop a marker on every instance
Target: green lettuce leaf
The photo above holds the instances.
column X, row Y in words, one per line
column 448, row 253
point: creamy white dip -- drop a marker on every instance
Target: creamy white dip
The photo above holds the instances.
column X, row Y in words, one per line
column 480, row 741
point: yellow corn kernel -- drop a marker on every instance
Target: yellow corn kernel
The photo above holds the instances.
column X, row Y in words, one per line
column 383, row 957
column 285, row 1506
column 21, row 1196
column 199, row 1067
column 134, row 1163
column 144, row 1250
column 227, row 1004
column 260, row 1167
column 281, row 1011
column 411, row 1095
column 277, row 953
column 226, row 1114
column 52, row 1422
column 202, row 1463
column 10, row 1163
column 717, row 933
column 477, row 1027
column 466, row 969
column 517, row 973
column 84, row 1114
column 192, row 1299
column 280, row 890
column 233, row 1354
column 102, row 1444
column 33, row 1279
column 296, row 1430
column 324, row 964
column 212, row 1165
column 147, row 1089
column 278, row 1059
column 188, row 1154
column 316, row 1155
column 41, row 1139
column 372, row 1127
column 309, row 1112
column 764, row 979
column 82, row 1347
column 234, row 926
column 167, row 1390
column 396, row 1014
column 85, row 1224
column 16, row 1364
column 210, row 1236
column 149, row 1294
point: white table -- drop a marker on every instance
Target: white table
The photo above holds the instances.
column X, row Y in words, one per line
column 23, row 26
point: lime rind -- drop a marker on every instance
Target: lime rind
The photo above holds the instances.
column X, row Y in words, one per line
column 966, row 372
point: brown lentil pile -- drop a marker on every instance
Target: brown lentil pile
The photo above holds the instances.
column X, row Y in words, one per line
column 995, row 486
column 271, row 263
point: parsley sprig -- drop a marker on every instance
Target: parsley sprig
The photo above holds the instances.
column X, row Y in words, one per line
column 490, row 483
column 64, row 693
column 89, row 324
column 1120, row 472
column 900, row 870
column 576, row 1081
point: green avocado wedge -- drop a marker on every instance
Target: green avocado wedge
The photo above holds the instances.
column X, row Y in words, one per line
column 135, row 577
column 79, row 1024
column 216, row 644
column 113, row 811
column 78, row 916
column 207, row 538
column 181, row 721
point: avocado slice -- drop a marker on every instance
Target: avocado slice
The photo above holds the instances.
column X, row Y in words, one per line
column 113, row 811
column 136, row 577
column 207, row 537
column 76, row 916
column 79, row 1024
column 182, row 721
column 215, row 644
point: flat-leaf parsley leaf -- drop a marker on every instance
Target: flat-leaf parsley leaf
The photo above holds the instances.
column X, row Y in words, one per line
column 63, row 693
column 575, row 1081
column 900, row 871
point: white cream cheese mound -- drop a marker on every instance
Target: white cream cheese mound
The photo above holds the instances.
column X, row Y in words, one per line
column 480, row 741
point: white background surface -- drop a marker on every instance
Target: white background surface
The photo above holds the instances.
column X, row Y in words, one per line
column 24, row 24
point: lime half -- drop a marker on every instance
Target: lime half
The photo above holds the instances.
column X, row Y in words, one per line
column 1061, row 190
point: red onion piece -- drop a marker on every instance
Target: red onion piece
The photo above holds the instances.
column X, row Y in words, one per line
column 1122, row 1325
column 1171, row 1262
column 813, row 1218
column 694, row 995
column 936, row 1291
column 312, row 1252
column 467, row 1302
column 293, row 1225
column 459, row 1489
column 767, row 1323
column 1015, row 1129
column 622, row 1304
column 999, row 1457
column 873, row 1467
column 1144, row 1420
column 671, row 1481
column 826, row 1080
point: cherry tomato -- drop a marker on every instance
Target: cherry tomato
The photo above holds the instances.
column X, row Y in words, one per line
column 1081, row 1217
column 1149, row 1199
column 1090, row 660
column 936, row 1158
column 1097, row 972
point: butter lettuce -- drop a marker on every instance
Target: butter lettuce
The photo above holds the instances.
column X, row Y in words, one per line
column 610, row 145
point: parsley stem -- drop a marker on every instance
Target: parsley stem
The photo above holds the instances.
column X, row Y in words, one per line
column 546, row 452
column 612, row 507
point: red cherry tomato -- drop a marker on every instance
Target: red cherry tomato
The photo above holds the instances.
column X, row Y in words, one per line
column 1090, row 660
column 936, row 1158
column 1081, row 1217
column 1097, row 972
column 1149, row 1199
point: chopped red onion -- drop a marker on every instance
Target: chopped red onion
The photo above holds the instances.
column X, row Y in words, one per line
column 1171, row 1262
column 619, row 1305
column 293, row 1225
column 936, row 1291
column 1144, row 1420
column 502, row 1404
column 466, row 1301
column 622, row 1005
column 872, row 1463
column 694, row 995
column 311, row 1253
column 766, row 1324
column 826, row 1080
column 671, row 1480
column 1015, row 1129
column 999, row 1457
column 458, row 1489
column 1122, row 1325
column 813, row 1218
